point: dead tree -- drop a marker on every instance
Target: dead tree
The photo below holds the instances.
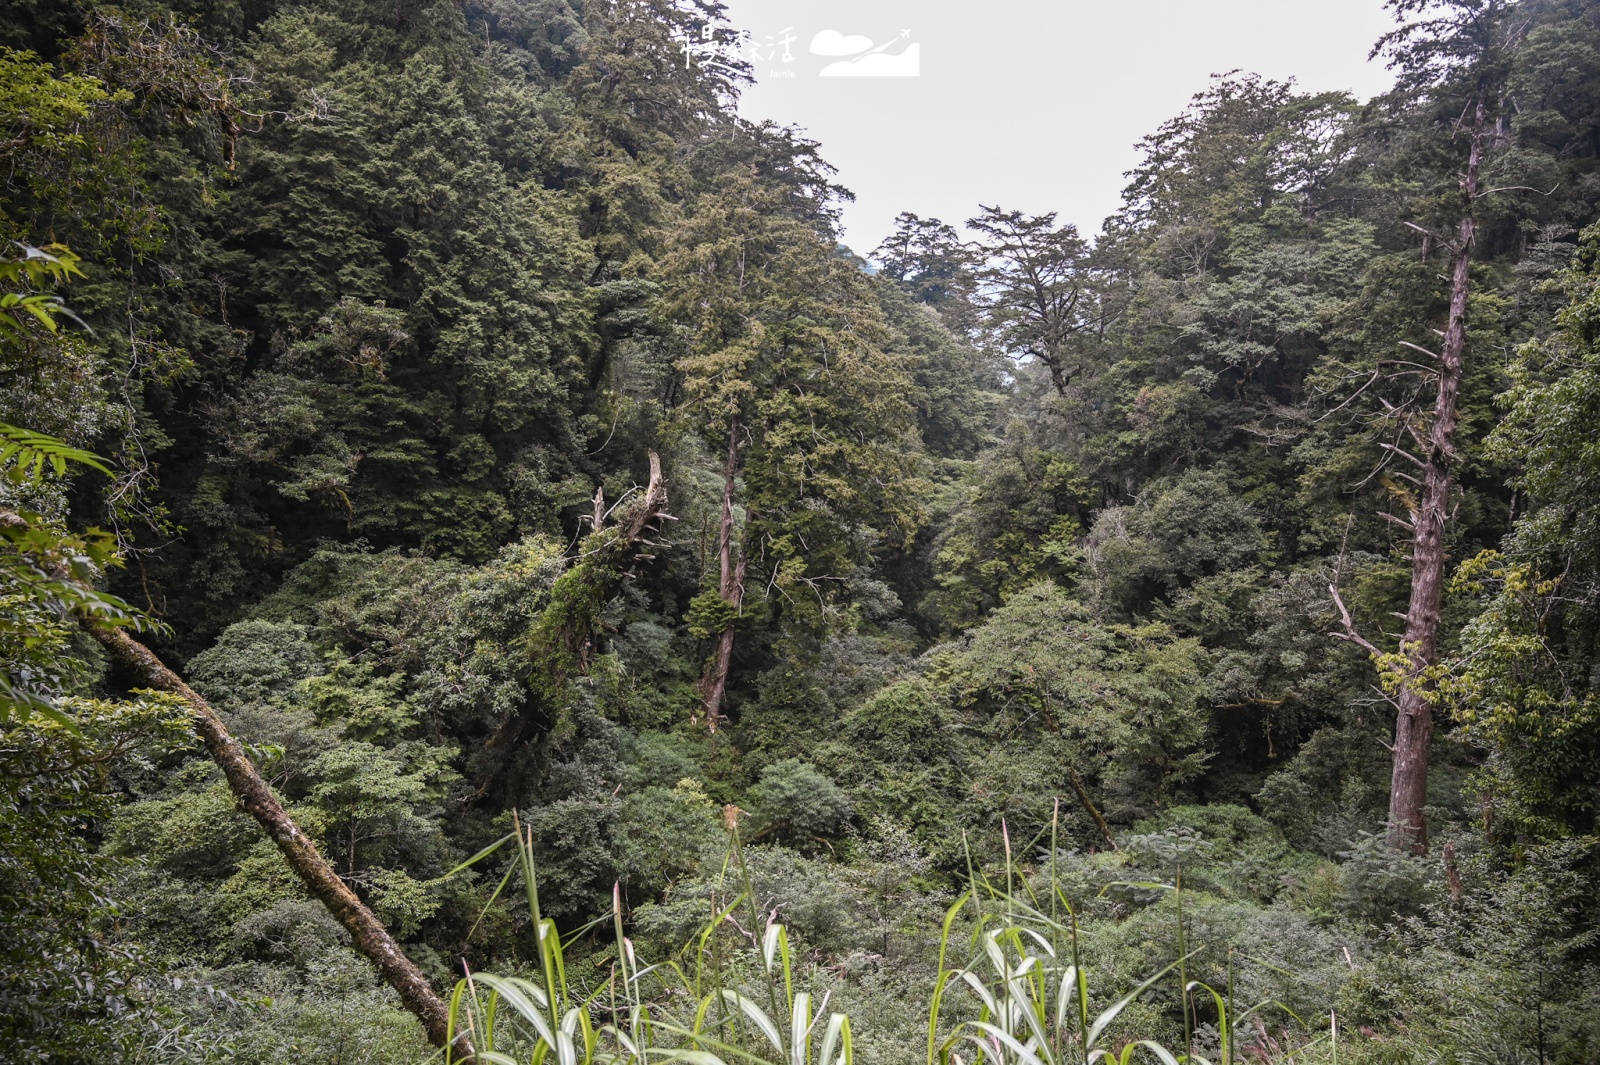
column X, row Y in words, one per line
column 730, row 586
column 559, row 641
column 1461, row 51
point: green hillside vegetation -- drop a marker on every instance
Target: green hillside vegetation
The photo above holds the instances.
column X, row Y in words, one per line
column 678, row 638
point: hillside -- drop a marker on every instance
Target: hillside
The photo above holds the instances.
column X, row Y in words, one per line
column 580, row 565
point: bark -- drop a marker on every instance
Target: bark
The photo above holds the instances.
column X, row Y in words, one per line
column 255, row 795
column 731, row 559
column 646, row 518
column 1413, row 734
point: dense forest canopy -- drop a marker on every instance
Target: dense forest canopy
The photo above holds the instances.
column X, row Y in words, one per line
column 468, row 524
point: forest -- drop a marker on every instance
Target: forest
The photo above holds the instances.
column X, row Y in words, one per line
column 487, row 575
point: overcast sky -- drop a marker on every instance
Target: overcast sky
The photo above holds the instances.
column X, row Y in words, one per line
column 1035, row 106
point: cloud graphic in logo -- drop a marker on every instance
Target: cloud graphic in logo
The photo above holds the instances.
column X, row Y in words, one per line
column 832, row 42
column 908, row 64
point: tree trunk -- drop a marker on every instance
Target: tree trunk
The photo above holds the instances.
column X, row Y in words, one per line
column 1413, row 734
column 254, row 794
column 714, row 681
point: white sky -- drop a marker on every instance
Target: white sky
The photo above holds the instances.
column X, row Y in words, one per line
column 1034, row 106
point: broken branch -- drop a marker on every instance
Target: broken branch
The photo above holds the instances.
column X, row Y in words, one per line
column 1350, row 634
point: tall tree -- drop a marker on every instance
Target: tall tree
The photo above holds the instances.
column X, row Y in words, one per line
column 1452, row 62
column 929, row 259
column 1039, row 289
column 788, row 379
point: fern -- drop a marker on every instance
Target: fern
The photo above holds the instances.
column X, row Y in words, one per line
column 28, row 453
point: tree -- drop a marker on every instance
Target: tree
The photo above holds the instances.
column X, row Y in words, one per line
column 1454, row 61
column 1527, row 678
column 1243, row 146
column 1018, row 523
column 929, row 259
column 1039, row 290
column 46, row 580
column 122, row 160
column 1054, row 692
column 787, row 376
column 252, row 792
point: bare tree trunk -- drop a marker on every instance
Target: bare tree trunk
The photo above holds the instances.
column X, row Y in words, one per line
column 1413, row 734
column 255, row 795
column 714, row 680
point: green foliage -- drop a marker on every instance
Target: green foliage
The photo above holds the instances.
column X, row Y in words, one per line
column 73, row 982
column 30, row 308
column 1524, row 682
column 788, row 356
column 1185, row 534
column 385, row 296
column 1020, row 523
column 708, row 615
column 47, row 576
column 1329, row 791
column 929, row 262
column 793, row 801
column 1495, row 973
column 375, row 802
column 547, row 1014
column 1121, row 705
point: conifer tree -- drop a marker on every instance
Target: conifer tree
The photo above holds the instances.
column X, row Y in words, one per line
column 788, row 378
column 1454, row 61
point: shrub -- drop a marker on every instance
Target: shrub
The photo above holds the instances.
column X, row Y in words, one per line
column 792, row 800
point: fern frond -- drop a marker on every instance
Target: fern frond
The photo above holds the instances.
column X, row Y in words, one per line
column 29, row 453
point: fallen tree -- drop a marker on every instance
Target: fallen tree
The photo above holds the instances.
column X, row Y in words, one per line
column 369, row 935
column 558, row 643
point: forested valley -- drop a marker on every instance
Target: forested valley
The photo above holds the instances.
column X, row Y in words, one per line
column 486, row 574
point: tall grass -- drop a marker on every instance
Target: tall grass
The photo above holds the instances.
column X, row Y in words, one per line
column 1020, row 994
column 658, row 1013
column 1027, row 972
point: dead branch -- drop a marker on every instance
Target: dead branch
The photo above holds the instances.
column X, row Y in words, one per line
column 1406, row 525
column 1403, row 453
column 1350, row 634
column 559, row 639
column 1417, row 347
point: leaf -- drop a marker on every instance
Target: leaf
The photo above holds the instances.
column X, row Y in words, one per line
column 30, row 449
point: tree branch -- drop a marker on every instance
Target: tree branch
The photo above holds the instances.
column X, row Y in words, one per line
column 1406, row 525
column 1403, row 453
column 1417, row 347
column 1349, row 634
column 1088, row 804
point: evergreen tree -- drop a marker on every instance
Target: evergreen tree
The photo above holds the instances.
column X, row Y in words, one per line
column 787, row 375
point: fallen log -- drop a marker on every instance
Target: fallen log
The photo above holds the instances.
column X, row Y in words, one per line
column 253, row 793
